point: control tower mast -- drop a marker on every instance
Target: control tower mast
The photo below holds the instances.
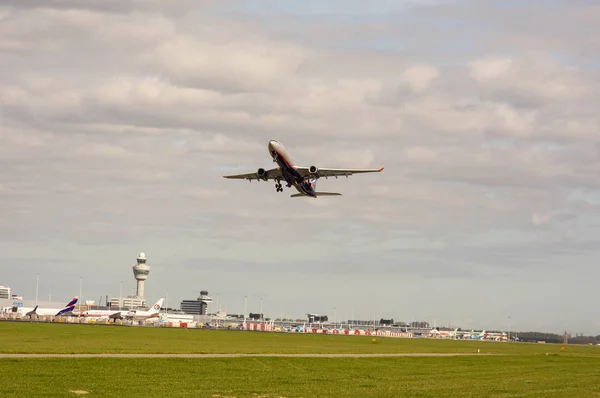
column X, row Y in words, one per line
column 140, row 272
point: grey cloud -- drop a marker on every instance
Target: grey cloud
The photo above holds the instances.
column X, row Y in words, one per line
column 118, row 122
column 111, row 6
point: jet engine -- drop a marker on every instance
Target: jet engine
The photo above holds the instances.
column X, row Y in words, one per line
column 262, row 173
column 313, row 170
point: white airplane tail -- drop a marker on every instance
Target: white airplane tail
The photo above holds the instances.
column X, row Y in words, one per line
column 157, row 306
column 153, row 312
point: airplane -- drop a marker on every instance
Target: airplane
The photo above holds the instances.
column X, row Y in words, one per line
column 131, row 314
column 475, row 335
column 143, row 315
column 29, row 312
column 304, row 179
column 444, row 333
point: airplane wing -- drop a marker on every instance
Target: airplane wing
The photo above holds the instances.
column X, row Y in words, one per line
column 261, row 174
column 323, row 172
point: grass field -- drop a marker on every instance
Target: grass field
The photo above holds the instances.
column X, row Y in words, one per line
column 37, row 337
column 541, row 376
column 532, row 370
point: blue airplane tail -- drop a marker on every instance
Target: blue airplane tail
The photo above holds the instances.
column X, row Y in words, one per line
column 69, row 307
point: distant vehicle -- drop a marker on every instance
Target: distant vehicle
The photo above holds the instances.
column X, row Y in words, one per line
column 304, row 179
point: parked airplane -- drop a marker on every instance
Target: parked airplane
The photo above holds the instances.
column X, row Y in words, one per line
column 304, row 179
column 473, row 335
column 131, row 314
column 443, row 333
column 143, row 315
column 29, row 312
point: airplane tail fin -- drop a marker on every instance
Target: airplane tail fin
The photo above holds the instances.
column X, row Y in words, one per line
column 32, row 312
column 297, row 195
column 69, row 307
column 157, row 306
column 313, row 181
column 72, row 302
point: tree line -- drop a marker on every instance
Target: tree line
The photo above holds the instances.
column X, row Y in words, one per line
column 556, row 338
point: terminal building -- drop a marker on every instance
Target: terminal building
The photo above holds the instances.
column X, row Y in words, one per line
column 316, row 318
column 198, row 306
column 5, row 293
column 127, row 302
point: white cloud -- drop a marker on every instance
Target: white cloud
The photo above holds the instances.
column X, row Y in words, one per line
column 490, row 68
column 420, row 78
column 539, row 219
column 234, row 66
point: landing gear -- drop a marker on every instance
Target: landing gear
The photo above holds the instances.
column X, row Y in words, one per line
column 278, row 187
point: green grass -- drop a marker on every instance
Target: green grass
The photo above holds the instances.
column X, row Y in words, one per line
column 509, row 376
column 25, row 337
column 531, row 370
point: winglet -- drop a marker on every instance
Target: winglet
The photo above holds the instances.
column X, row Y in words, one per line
column 381, row 169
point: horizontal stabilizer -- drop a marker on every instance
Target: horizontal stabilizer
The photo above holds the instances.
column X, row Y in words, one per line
column 297, row 195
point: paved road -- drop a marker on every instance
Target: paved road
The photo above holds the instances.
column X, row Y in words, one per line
column 237, row 355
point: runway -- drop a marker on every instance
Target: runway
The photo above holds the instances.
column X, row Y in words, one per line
column 453, row 354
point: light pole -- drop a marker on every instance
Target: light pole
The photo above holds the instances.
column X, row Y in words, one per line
column 80, row 285
column 346, row 317
column 121, row 296
column 261, row 310
column 245, row 309
column 374, row 321
column 509, row 329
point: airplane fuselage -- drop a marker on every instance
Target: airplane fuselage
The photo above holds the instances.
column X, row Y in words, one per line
column 153, row 312
column 101, row 313
column 123, row 314
column 24, row 310
column 291, row 176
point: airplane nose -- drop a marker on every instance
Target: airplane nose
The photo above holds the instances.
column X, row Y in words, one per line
column 272, row 144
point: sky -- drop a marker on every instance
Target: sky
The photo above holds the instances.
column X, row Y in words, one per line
column 118, row 120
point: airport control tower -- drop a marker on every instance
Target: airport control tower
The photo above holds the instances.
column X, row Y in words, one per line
column 140, row 272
